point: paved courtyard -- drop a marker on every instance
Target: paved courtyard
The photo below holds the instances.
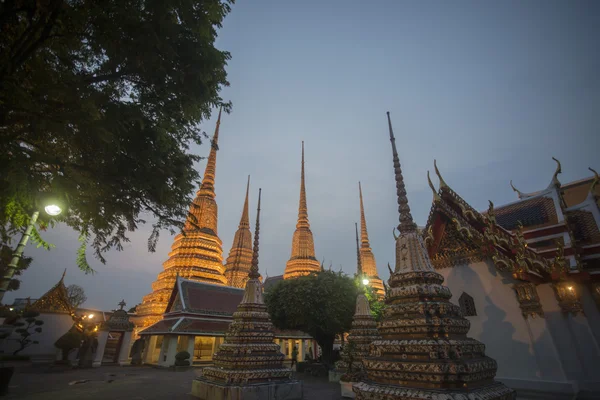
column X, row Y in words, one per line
column 127, row 383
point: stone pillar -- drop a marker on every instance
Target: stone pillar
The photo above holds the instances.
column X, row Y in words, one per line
column 282, row 348
column 302, row 350
column 190, row 347
column 149, row 350
column 102, row 339
column 168, row 351
column 290, row 348
column 125, row 349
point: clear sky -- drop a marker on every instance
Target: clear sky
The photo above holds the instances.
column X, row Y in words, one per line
column 492, row 90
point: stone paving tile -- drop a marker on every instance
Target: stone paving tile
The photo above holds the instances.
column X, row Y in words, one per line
column 127, row 383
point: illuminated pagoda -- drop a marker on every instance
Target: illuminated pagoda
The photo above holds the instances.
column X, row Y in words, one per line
column 249, row 364
column 239, row 261
column 302, row 260
column 424, row 352
column 368, row 264
column 197, row 253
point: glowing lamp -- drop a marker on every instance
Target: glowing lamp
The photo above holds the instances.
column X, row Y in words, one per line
column 570, row 288
column 365, row 281
column 53, row 209
column 90, row 316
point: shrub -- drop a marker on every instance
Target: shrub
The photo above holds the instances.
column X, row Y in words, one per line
column 68, row 342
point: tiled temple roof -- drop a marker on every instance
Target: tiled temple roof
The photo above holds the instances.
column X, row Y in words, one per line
column 272, row 281
column 584, row 227
column 533, row 213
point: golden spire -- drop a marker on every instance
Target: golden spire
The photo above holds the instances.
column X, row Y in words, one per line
column 245, row 220
column 406, row 221
column 302, row 260
column 302, row 208
column 208, row 182
column 364, row 236
column 358, row 262
column 239, row 261
column 254, row 268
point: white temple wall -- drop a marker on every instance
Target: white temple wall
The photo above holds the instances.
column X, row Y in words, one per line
column 591, row 310
column 55, row 325
column 523, row 350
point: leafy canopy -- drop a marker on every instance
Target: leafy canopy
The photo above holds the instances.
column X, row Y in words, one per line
column 99, row 103
column 321, row 305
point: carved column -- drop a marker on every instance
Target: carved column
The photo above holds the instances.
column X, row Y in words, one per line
column 528, row 299
column 568, row 296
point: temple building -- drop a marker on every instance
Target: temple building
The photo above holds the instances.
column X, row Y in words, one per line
column 239, row 261
column 196, row 255
column 367, row 258
column 302, row 260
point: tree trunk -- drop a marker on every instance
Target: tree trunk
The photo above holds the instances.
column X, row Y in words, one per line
column 20, row 349
column 326, row 343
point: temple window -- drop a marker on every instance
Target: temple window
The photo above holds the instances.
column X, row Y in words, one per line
column 467, row 305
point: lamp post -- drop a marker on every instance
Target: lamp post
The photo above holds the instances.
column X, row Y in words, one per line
column 52, row 210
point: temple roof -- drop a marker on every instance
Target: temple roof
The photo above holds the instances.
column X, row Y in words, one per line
column 203, row 298
column 55, row 300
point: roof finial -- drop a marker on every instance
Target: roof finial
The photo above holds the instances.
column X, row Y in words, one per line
column 208, row 182
column 358, row 261
column 122, row 304
column 595, row 181
column 436, row 196
column 437, row 172
column 406, row 221
column 555, row 181
column 62, row 278
column 519, row 193
column 253, row 274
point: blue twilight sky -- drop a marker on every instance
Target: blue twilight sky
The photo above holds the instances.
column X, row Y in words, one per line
column 492, row 90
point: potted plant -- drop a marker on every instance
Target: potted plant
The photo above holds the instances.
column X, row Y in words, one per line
column 354, row 373
column 182, row 361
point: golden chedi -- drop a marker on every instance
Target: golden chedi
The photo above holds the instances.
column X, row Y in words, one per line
column 369, row 266
column 239, row 260
column 249, row 365
column 424, row 352
column 303, row 260
column 196, row 253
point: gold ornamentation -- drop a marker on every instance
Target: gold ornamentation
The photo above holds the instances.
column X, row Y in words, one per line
column 55, row 300
column 568, row 297
column 367, row 258
column 196, row 253
column 303, row 260
column 239, row 261
column 528, row 299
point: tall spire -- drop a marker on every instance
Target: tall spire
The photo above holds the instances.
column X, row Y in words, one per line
column 358, row 262
column 406, row 221
column 302, row 260
column 254, row 268
column 364, row 236
column 245, row 220
column 238, row 263
column 368, row 265
column 208, row 182
column 302, row 207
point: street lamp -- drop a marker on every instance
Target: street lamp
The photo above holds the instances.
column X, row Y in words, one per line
column 51, row 207
column 365, row 281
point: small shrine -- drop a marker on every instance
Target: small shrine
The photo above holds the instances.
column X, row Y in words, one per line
column 424, row 352
column 114, row 339
column 249, row 365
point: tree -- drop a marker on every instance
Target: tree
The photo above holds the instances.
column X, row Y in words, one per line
column 321, row 305
column 76, row 295
column 26, row 325
column 68, row 342
column 99, row 103
column 6, row 253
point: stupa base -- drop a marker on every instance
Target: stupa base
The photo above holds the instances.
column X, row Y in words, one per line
column 207, row 390
column 374, row 391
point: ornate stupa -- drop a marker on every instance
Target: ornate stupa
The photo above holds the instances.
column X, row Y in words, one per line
column 362, row 334
column 303, row 260
column 239, row 261
column 197, row 253
column 424, row 352
column 249, row 364
column 369, row 266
